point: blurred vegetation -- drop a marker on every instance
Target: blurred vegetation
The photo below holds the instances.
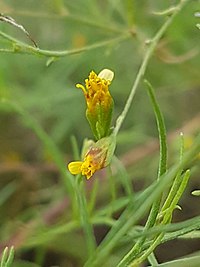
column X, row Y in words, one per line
column 42, row 131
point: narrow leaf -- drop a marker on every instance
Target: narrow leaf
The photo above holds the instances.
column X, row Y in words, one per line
column 161, row 130
column 185, row 262
column 196, row 193
column 10, row 257
column 4, row 257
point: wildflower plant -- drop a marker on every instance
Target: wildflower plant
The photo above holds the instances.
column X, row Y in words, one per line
column 99, row 111
column 126, row 243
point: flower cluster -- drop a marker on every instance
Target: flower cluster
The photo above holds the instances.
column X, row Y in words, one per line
column 99, row 114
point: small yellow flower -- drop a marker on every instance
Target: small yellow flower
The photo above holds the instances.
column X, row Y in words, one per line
column 91, row 163
column 96, row 89
column 97, row 157
column 99, row 102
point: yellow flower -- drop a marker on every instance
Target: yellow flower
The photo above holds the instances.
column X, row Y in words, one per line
column 99, row 102
column 96, row 89
column 91, row 163
column 87, row 167
column 97, row 157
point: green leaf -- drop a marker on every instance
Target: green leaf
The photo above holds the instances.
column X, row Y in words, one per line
column 7, row 257
column 191, row 235
column 161, row 170
column 161, row 130
column 196, row 193
column 185, row 262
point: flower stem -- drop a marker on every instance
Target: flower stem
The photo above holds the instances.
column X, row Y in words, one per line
column 152, row 45
column 84, row 217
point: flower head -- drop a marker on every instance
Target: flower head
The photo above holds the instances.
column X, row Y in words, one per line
column 91, row 163
column 99, row 102
column 97, row 157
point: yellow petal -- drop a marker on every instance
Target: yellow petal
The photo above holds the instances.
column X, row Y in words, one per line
column 88, row 176
column 75, row 167
column 78, row 85
column 106, row 74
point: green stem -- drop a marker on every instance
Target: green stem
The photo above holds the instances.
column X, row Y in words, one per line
column 113, row 190
column 156, row 242
column 152, row 259
column 5, row 50
column 174, row 230
column 84, row 217
column 23, row 48
column 143, row 67
column 123, row 176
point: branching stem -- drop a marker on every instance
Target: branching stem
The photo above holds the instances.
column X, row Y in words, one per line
column 23, row 48
column 152, row 45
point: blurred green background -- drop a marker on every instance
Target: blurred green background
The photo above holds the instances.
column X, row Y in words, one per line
column 32, row 195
